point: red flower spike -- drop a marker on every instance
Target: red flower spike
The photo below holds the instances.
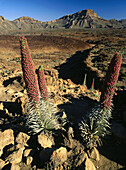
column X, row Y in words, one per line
column 42, row 83
column 92, row 86
column 110, row 81
column 29, row 72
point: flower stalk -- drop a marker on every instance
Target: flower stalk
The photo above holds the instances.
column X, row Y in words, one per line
column 110, row 81
column 29, row 72
column 42, row 83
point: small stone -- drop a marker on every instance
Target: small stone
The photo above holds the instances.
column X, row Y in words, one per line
column 6, row 111
column 6, row 138
column 1, row 106
column 15, row 167
column 29, row 160
column 22, row 139
column 95, row 154
column 64, row 116
column 59, row 156
column 89, row 165
column 2, row 163
column 27, row 152
column 44, row 141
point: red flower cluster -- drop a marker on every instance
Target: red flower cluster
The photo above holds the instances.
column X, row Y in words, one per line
column 110, row 81
column 42, row 83
column 29, row 71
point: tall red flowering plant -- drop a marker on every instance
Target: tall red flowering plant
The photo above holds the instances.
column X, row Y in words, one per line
column 29, row 72
column 110, row 81
column 42, row 83
column 95, row 125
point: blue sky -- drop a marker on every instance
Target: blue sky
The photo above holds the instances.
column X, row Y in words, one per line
column 47, row 10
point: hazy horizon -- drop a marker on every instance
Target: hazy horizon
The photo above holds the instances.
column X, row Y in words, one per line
column 52, row 10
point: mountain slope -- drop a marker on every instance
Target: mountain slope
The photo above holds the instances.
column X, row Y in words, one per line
column 82, row 19
column 87, row 19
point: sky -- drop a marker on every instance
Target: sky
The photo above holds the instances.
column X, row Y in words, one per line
column 47, row 10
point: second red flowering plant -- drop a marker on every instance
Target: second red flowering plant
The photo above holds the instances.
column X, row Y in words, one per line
column 110, row 81
column 96, row 123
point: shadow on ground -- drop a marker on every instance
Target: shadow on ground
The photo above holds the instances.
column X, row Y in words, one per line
column 75, row 69
column 76, row 108
column 13, row 107
column 114, row 150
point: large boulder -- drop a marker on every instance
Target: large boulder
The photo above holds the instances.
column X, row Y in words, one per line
column 59, row 156
column 44, row 141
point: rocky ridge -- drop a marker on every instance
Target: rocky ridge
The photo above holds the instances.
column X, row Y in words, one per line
column 82, row 19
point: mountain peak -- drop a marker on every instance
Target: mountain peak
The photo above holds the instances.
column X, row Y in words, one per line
column 24, row 18
column 85, row 13
column 90, row 12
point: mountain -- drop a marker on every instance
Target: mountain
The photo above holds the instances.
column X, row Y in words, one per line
column 82, row 19
column 88, row 19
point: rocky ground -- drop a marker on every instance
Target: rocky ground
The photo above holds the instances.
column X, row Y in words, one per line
column 65, row 69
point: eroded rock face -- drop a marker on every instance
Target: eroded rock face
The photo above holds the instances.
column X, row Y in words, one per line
column 6, row 138
column 59, row 156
